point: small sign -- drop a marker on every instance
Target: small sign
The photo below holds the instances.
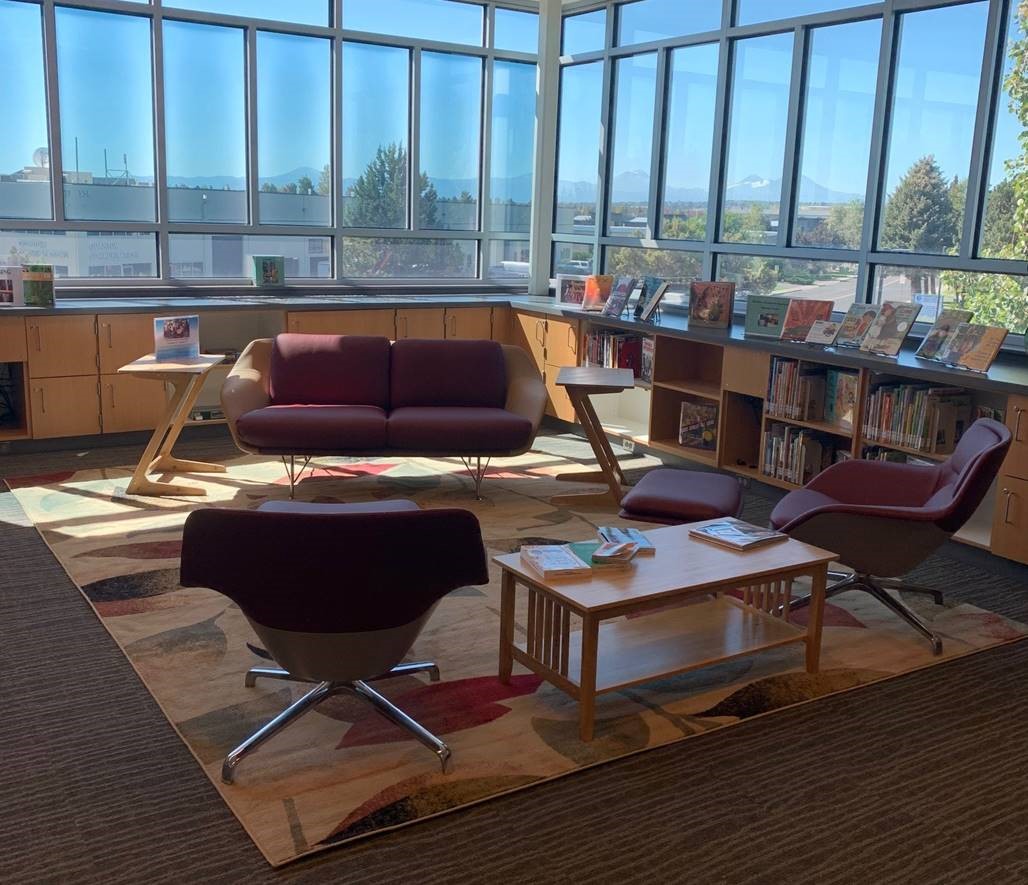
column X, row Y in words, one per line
column 176, row 338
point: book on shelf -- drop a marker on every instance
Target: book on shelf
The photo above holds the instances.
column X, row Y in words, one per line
column 880, row 453
column 975, row 347
column 176, row 338
column 936, row 343
column 614, row 350
column 855, row 324
column 12, row 286
column 650, row 301
column 620, row 292
column 710, row 304
column 765, row 315
column 697, row 425
column 618, row 535
column 989, row 412
column 554, row 561
column 647, row 287
column 736, row 534
column 649, row 345
column 841, row 390
column 892, row 325
column 796, row 390
column 597, row 290
column 268, row 271
column 823, row 332
column 37, row 285
column 917, row 416
column 802, row 314
column 796, row 454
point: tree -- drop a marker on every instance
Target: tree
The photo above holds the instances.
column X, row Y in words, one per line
column 288, row 188
column 841, row 229
column 999, row 235
column 919, row 215
column 268, row 188
column 325, row 181
column 304, row 185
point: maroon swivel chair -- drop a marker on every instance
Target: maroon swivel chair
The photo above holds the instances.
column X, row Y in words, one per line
column 885, row 518
column 336, row 593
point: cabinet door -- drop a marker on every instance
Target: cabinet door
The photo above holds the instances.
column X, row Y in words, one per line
column 123, row 338
column 65, row 407
column 426, row 322
column 62, row 346
column 528, row 332
column 501, row 324
column 1010, row 524
column 12, row 340
column 562, row 342
column 746, row 371
column 377, row 321
column 558, row 403
column 469, row 322
column 1016, row 463
column 131, row 403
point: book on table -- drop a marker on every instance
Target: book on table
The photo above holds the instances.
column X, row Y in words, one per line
column 736, row 534
column 618, row 535
column 554, row 561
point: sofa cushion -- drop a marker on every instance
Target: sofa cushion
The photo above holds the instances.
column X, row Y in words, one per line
column 668, row 494
column 447, row 373
column 330, row 370
column 302, row 430
column 457, row 430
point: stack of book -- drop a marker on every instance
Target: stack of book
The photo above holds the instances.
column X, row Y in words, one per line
column 915, row 416
column 614, row 350
column 796, row 390
column 796, row 454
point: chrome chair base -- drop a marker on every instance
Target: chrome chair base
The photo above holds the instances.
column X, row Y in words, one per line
column 878, row 588
column 323, row 690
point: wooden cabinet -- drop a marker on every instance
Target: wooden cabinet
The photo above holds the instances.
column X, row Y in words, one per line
column 1016, row 463
column 558, row 403
column 122, row 338
column 376, row 321
column 528, row 331
column 12, row 340
column 501, row 324
column 1010, row 525
column 61, row 346
column 562, row 342
column 469, row 322
column 131, row 403
column 65, row 406
column 426, row 322
column 746, row 371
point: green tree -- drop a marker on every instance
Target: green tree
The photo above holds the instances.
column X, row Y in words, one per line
column 268, row 188
column 325, row 181
column 999, row 234
column 841, row 229
column 288, row 188
column 304, row 185
column 919, row 215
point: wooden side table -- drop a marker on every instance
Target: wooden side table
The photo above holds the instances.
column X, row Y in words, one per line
column 186, row 377
column 581, row 382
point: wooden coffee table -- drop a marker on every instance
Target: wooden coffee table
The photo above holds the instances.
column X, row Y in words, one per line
column 708, row 627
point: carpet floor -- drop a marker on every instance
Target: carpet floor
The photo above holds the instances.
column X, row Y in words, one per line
column 918, row 777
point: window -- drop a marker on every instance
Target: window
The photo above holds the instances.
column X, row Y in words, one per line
column 676, row 267
column 586, row 32
column 225, row 256
column 836, row 146
column 205, row 122
column 393, row 259
column 834, row 281
column 24, row 149
column 376, row 98
column 106, row 115
column 302, row 12
column 647, row 20
column 508, row 260
column 689, row 141
column 1001, row 237
column 635, row 91
column 512, row 147
column 573, row 258
column 933, row 115
column 440, row 20
column 754, row 11
column 578, row 147
column 995, row 299
column 294, row 137
column 84, row 254
column 516, row 31
column 451, row 139
column 756, row 144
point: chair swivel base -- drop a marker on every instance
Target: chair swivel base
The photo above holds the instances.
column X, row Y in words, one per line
column 323, row 690
column 878, row 588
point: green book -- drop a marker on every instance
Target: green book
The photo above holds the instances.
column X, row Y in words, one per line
column 765, row 315
column 38, row 285
column 584, row 550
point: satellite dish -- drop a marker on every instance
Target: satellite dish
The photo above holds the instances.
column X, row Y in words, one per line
column 41, row 157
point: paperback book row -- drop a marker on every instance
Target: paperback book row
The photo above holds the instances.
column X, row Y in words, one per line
column 806, row 392
column 797, row 454
column 620, row 350
column 916, row 416
column 26, row 285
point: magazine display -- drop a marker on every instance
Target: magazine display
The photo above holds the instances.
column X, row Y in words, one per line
column 597, row 290
column 570, row 290
column 736, row 534
column 12, row 287
column 268, row 271
column 892, row 325
column 651, row 299
column 710, row 304
column 855, row 325
column 975, row 347
column 937, row 342
column 619, row 295
column 823, row 332
column 697, row 426
column 176, row 338
column 553, row 561
column 38, row 285
column 802, row 314
column 765, row 315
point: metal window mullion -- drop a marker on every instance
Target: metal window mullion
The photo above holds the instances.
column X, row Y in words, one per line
column 657, row 147
column 49, row 37
column 722, row 125
column 414, row 139
column 485, row 146
column 793, row 142
column 337, row 122
column 252, row 176
column 160, row 148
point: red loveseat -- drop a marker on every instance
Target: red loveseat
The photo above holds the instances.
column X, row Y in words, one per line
column 308, row 395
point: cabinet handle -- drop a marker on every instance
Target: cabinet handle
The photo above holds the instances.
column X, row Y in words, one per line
column 453, row 325
column 406, row 326
column 42, row 400
column 110, row 387
column 572, row 341
column 540, row 332
column 1006, row 510
column 110, row 336
column 1017, row 424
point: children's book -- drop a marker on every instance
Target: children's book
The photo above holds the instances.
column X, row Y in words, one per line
column 802, row 314
column 936, row 343
column 12, row 286
column 710, row 304
column 854, row 326
column 765, row 315
column 597, row 290
column 894, row 321
column 823, row 332
column 553, row 561
column 176, row 338
column 268, row 271
column 619, row 295
column 697, row 427
column 38, row 285
column 975, row 347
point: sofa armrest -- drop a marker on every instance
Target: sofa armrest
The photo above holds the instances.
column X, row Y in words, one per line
column 246, row 387
column 526, row 392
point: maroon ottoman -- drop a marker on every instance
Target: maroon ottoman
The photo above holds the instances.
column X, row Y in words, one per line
column 672, row 496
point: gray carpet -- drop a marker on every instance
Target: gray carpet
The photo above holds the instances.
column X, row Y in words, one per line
column 920, row 778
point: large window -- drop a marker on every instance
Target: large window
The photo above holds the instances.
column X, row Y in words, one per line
column 94, row 254
column 511, row 140
column 441, row 20
column 834, row 281
column 643, row 21
column 636, row 87
column 578, row 146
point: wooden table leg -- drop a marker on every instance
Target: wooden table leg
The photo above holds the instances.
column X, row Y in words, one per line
column 819, row 583
column 610, row 471
column 587, row 678
column 508, row 589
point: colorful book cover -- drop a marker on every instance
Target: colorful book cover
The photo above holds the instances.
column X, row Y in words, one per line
column 841, row 398
column 736, row 534
column 646, row 358
column 975, row 347
column 697, row 426
column 854, row 326
column 823, row 332
column 892, row 325
column 12, row 286
column 710, row 304
column 765, row 315
column 38, row 285
column 176, row 338
column 619, row 295
column 570, row 290
column 802, row 314
column 652, row 300
column 936, row 343
column 268, row 271
column 597, row 290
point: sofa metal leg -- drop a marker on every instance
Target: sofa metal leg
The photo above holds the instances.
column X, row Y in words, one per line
column 429, row 667
column 289, row 715
column 477, row 473
column 395, row 714
column 895, row 605
column 896, row 584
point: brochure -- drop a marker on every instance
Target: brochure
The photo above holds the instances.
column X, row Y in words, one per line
column 176, row 338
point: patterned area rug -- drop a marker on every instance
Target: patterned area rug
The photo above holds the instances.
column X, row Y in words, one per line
column 343, row 772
